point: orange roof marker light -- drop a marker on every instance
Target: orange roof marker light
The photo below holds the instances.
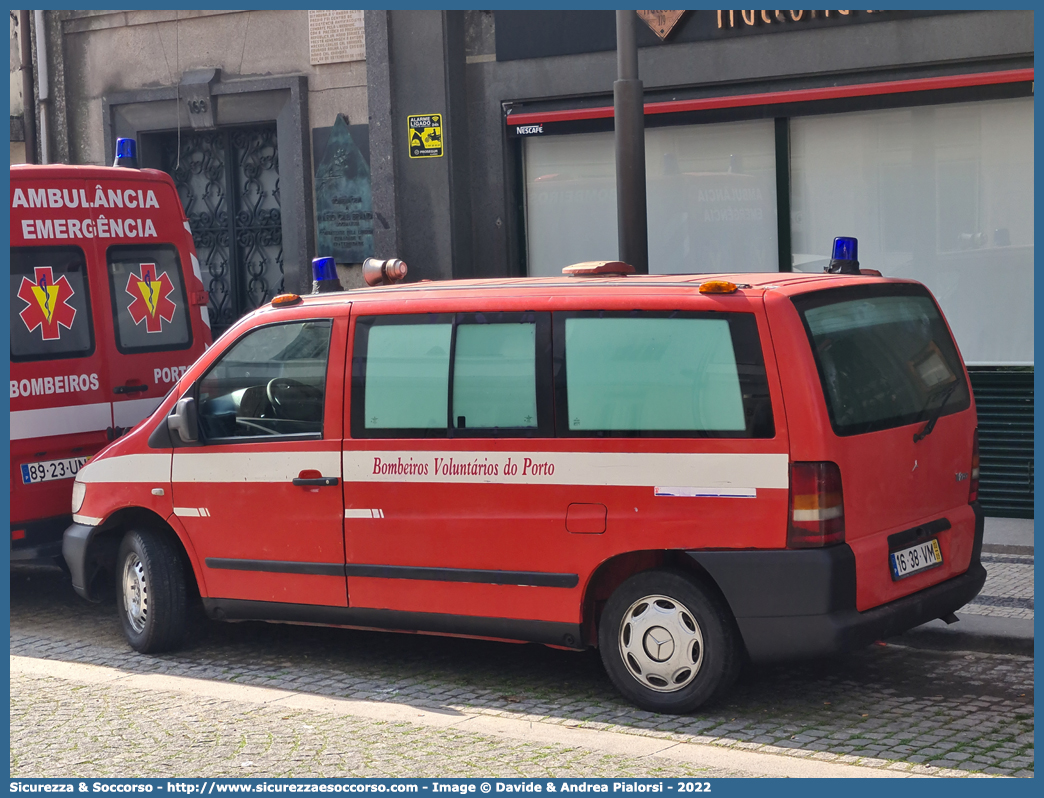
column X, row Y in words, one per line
column 718, row 287
column 597, row 268
column 285, row 299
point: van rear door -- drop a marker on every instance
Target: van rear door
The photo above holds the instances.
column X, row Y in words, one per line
column 147, row 262
column 888, row 366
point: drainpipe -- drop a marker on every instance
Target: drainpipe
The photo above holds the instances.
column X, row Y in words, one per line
column 45, row 78
column 629, row 123
column 25, row 49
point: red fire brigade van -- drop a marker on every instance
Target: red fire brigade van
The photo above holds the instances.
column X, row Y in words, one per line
column 108, row 309
column 680, row 470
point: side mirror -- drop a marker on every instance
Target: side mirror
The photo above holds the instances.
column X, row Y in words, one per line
column 183, row 420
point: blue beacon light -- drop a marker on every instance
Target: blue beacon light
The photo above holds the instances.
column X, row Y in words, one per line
column 324, row 276
column 126, row 153
column 845, row 257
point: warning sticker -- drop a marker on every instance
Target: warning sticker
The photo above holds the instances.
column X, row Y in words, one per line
column 425, row 135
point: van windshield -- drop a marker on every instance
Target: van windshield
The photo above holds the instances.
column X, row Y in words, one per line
column 885, row 356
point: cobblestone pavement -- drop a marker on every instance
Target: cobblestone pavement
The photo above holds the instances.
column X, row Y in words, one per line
column 1008, row 591
column 102, row 731
column 881, row 706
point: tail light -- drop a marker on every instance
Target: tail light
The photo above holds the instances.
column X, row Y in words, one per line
column 817, row 509
column 973, row 487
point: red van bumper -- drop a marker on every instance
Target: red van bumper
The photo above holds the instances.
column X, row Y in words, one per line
column 794, row 604
column 38, row 542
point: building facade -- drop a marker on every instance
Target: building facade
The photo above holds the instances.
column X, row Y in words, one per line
column 482, row 145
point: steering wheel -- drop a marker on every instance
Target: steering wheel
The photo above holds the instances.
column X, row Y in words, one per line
column 287, row 395
column 253, row 425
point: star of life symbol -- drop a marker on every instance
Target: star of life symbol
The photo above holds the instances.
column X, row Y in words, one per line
column 47, row 303
column 150, row 304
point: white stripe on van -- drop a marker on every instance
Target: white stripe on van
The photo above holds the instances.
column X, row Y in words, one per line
column 127, row 468
column 713, row 472
column 192, row 512
column 356, row 513
column 60, row 420
column 251, row 466
column 130, row 412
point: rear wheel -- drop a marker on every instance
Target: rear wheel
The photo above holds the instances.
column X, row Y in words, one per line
column 151, row 593
column 668, row 643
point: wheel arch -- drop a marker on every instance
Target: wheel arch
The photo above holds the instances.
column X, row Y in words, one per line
column 613, row 572
column 103, row 546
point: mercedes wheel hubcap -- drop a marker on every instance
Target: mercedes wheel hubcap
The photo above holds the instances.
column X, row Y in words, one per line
column 135, row 593
column 661, row 643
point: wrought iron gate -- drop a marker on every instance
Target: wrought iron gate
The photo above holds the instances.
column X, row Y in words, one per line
column 228, row 181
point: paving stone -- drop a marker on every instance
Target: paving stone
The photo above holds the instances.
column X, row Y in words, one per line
column 893, row 704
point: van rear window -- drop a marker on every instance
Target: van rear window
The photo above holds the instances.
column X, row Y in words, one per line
column 148, row 299
column 885, row 356
column 50, row 304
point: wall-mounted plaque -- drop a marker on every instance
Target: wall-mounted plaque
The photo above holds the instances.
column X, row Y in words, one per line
column 335, row 37
column 343, row 204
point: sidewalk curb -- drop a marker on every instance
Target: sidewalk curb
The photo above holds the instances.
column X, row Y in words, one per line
column 989, row 634
column 1005, row 548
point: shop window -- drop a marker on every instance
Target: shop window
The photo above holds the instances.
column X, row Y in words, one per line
column 942, row 194
column 711, row 198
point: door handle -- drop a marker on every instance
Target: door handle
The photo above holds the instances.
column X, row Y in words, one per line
column 130, row 388
column 317, row 482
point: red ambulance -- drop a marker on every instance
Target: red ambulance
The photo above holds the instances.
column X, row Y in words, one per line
column 680, row 470
column 108, row 310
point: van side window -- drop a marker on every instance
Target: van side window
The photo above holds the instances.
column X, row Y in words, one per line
column 148, row 299
column 50, row 304
column 494, row 376
column 660, row 374
column 272, row 381
column 458, row 375
column 407, row 375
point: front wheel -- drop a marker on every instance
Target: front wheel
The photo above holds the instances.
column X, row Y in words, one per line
column 151, row 594
column 667, row 643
